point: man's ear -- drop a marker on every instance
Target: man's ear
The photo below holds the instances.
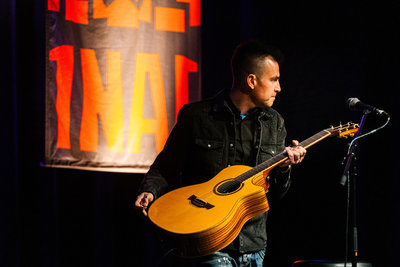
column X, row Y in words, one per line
column 251, row 80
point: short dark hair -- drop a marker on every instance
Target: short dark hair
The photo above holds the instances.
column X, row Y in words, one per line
column 248, row 57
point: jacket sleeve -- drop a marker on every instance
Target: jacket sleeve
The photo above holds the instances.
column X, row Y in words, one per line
column 165, row 173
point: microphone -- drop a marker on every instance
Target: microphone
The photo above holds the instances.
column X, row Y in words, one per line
column 354, row 103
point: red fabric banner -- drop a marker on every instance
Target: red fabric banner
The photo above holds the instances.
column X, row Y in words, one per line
column 117, row 73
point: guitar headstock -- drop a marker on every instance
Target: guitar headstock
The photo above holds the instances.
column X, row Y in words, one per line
column 344, row 131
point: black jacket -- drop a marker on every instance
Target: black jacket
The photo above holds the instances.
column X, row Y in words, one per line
column 203, row 142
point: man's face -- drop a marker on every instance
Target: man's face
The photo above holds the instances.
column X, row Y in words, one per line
column 266, row 85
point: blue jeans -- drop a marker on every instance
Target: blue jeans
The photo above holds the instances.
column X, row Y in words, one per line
column 222, row 259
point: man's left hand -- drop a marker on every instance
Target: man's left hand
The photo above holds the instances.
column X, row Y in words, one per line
column 296, row 154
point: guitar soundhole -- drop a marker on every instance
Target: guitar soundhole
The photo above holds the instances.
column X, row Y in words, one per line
column 228, row 187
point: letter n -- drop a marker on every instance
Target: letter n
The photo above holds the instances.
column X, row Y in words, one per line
column 105, row 104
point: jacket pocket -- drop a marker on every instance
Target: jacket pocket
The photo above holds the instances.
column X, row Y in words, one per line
column 209, row 145
column 266, row 152
column 207, row 153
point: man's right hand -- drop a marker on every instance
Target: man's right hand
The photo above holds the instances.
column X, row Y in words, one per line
column 142, row 202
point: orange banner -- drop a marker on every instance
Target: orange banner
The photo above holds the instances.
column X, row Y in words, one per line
column 117, row 74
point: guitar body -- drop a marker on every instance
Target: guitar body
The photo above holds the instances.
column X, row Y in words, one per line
column 201, row 219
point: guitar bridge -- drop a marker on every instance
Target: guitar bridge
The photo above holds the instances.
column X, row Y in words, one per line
column 200, row 203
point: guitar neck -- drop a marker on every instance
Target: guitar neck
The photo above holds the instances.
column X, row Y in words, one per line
column 281, row 157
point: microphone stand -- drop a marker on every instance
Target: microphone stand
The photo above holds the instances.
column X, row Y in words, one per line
column 349, row 176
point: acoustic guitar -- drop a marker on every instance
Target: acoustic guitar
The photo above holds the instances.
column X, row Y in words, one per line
column 201, row 219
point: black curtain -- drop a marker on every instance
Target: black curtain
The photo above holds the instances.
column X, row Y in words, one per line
column 335, row 50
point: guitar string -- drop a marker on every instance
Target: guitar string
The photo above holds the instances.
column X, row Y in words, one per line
column 235, row 183
column 321, row 135
column 232, row 185
column 281, row 156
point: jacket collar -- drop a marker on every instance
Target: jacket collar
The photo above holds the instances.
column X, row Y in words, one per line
column 223, row 103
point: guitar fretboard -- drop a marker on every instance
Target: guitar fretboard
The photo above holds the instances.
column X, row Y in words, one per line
column 281, row 156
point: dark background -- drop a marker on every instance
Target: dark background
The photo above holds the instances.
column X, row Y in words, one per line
column 334, row 50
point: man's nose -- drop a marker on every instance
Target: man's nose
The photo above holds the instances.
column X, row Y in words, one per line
column 278, row 87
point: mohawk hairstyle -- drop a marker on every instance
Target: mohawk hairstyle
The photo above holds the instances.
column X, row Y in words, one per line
column 248, row 58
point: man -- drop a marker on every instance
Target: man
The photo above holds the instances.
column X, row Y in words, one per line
column 235, row 127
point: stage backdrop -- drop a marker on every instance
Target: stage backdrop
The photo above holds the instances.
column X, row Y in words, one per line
column 117, row 73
